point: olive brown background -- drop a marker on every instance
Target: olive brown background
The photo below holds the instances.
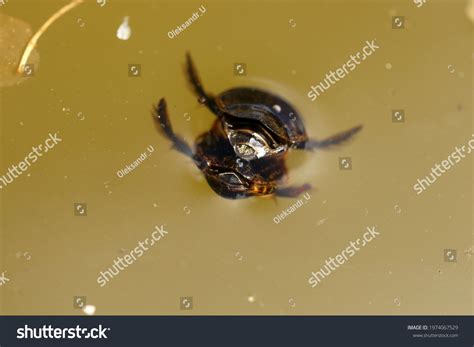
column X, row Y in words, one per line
column 230, row 256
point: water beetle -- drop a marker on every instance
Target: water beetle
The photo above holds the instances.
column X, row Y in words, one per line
column 244, row 153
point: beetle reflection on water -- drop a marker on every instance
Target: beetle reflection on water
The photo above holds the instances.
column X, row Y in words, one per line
column 244, row 152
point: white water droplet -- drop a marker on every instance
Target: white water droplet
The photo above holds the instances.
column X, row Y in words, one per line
column 89, row 310
column 124, row 31
column 277, row 108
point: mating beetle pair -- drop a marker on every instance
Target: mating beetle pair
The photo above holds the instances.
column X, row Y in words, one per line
column 244, row 153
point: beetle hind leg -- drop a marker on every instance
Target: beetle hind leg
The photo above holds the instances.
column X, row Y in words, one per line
column 160, row 114
column 198, row 89
column 332, row 141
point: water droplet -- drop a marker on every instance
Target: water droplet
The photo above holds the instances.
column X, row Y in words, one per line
column 89, row 310
column 277, row 108
column 186, row 210
column 124, row 31
column 397, row 209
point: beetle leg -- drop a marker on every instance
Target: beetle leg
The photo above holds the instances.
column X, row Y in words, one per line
column 195, row 82
column 330, row 141
column 292, row 191
column 160, row 114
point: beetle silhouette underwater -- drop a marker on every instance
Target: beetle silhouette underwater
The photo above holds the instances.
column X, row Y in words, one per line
column 244, row 152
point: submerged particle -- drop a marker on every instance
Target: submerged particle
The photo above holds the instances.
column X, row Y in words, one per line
column 124, row 31
column 321, row 221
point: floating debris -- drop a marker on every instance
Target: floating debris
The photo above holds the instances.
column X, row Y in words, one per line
column 124, row 31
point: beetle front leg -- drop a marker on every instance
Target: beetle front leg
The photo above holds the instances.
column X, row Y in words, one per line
column 160, row 114
column 195, row 82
